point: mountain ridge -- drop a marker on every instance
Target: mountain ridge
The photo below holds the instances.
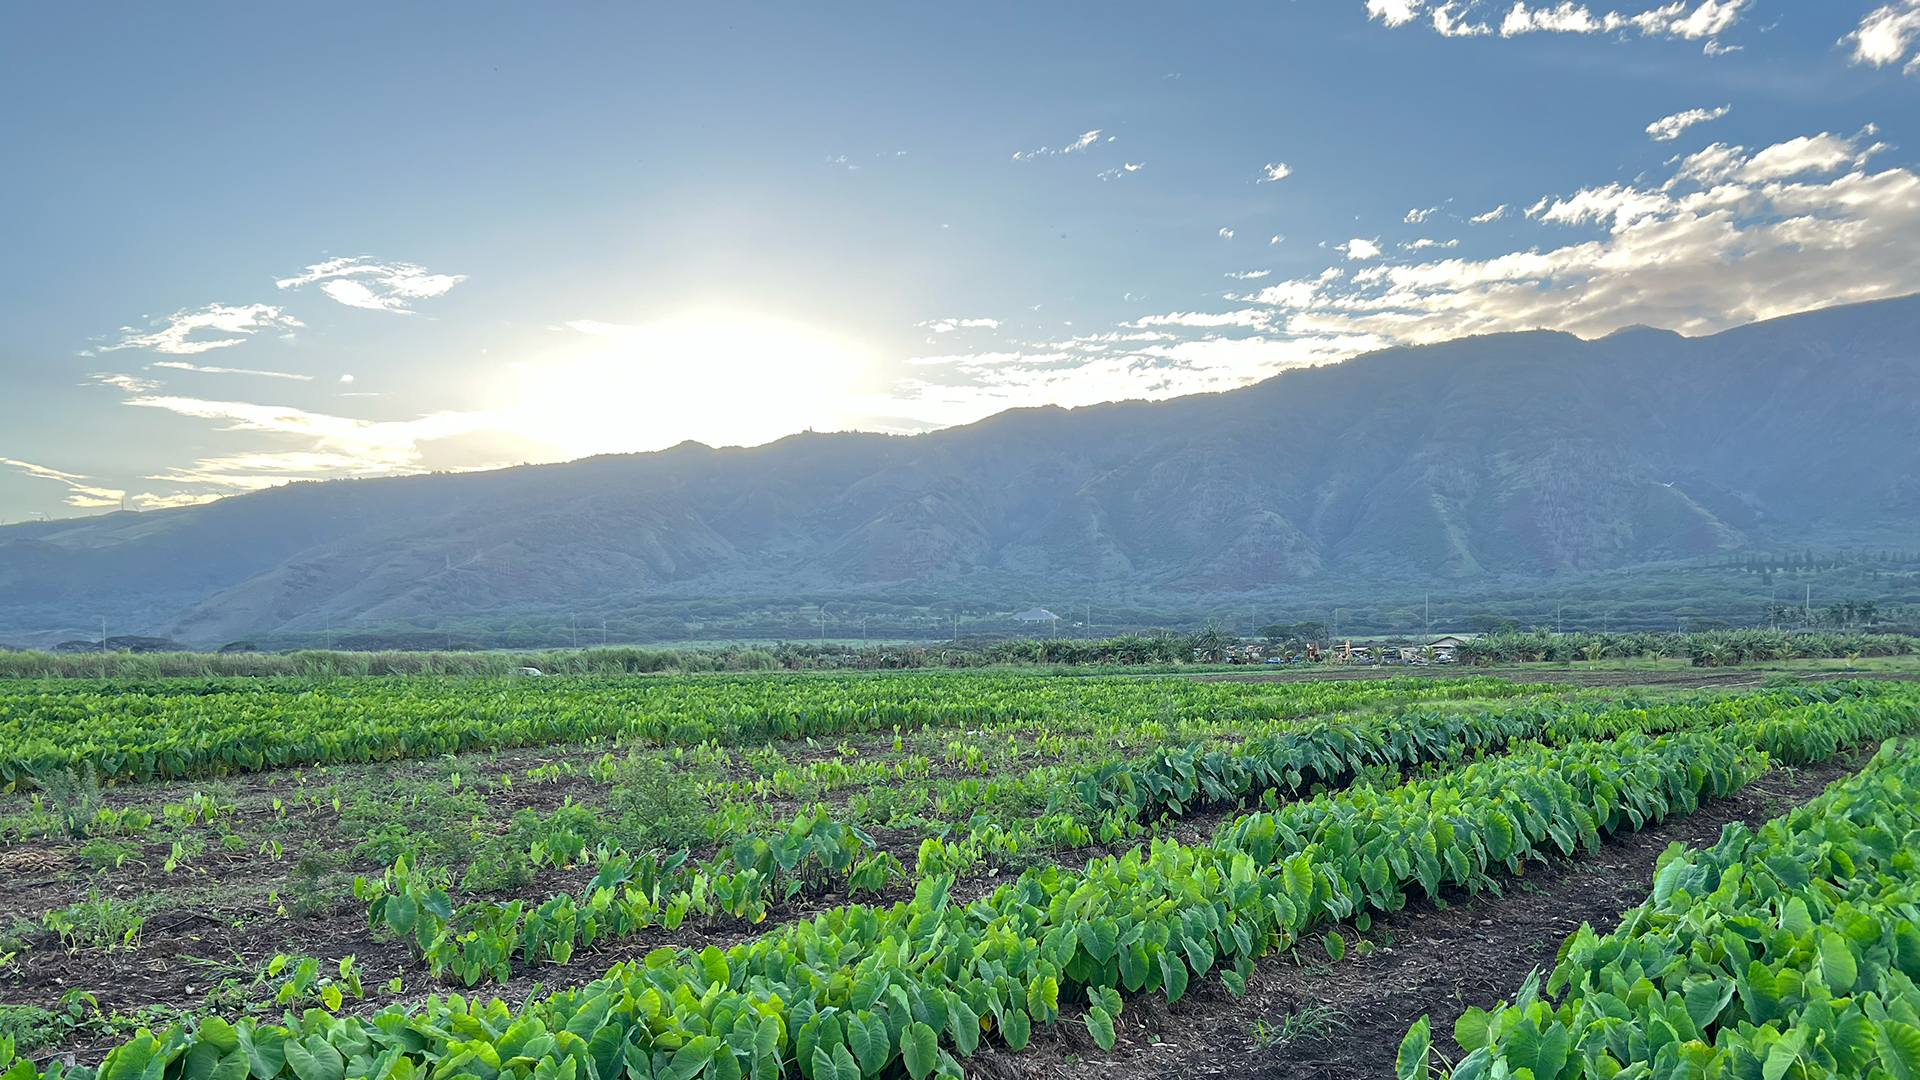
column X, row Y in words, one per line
column 1495, row 459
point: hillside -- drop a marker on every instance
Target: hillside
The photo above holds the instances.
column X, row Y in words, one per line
column 1485, row 463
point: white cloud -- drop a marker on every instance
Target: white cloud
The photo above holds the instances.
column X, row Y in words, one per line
column 1494, row 214
column 1424, row 243
column 1125, row 169
column 1696, row 256
column 1226, row 234
column 947, row 326
column 1885, row 35
column 1361, row 248
column 182, row 365
column 357, row 282
column 79, row 493
column 1677, row 19
column 1243, row 275
column 1247, row 317
column 1277, row 240
column 346, row 378
column 186, row 333
column 1824, row 152
column 132, row 384
column 1416, row 216
column 1668, row 128
column 1078, row 145
column 1274, row 170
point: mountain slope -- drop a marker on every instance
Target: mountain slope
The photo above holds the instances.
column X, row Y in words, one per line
column 1506, row 458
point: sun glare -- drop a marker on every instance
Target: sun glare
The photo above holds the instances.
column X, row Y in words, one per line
column 720, row 379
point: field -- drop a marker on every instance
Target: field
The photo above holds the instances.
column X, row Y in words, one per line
column 854, row 875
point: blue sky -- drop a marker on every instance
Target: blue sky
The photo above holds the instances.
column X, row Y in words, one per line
column 248, row 244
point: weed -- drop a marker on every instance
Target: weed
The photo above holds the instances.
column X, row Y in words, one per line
column 103, row 854
column 658, row 806
column 29, row 1026
column 1316, row 1023
column 311, row 885
column 96, row 922
column 75, row 795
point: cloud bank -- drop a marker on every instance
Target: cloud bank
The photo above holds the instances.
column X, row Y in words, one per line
column 1471, row 18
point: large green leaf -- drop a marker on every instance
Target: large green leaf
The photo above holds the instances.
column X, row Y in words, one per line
column 919, row 1050
column 313, row 1058
column 1100, row 1026
column 1411, row 1061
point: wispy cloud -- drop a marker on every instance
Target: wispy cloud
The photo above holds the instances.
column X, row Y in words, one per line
column 215, row 326
column 1886, row 34
column 1668, row 128
column 1494, row 214
column 333, row 445
column 1464, row 18
column 79, row 492
column 1426, row 242
column 1243, row 275
column 359, row 282
column 947, row 326
column 182, row 365
column 1417, row 215
column 1126, row 169
column 1079, row 145
column 1274, row 170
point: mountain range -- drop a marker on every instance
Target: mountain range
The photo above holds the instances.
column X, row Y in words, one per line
column 1482, row 463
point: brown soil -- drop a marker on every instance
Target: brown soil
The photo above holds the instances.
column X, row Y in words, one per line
column 1351, row 1016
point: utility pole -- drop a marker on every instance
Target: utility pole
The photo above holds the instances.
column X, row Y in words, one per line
column 1806, row 611
column 1429, row 614
column 103, row 646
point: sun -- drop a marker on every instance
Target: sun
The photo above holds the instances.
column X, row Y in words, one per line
column 720, row 378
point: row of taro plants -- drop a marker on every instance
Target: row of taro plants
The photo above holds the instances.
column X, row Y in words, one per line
column 186, row 729
column 1788, row 952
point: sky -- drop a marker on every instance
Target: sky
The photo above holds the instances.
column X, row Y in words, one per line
column 246, row 244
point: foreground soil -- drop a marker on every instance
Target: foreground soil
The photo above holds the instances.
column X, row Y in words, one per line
column 1335, row 1021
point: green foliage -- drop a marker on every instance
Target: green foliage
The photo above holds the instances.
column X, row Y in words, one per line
column 96, row 922
column 1793, row 950
column 53, row 734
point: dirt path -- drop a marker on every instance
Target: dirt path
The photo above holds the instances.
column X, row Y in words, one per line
column 1346, row 1020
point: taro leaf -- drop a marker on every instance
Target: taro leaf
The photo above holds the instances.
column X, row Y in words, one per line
column 871, row 1045
column 1016, row 1028
column 694, row 1056
column 1899, row 1046
column 1474, row 1029
column 313, row 1058
column 265, row 1048
column 1106, row 997
column 1544, row 1052
column 1836, row 962
column 1705, row 1001
column 1174, row 971
column 1411, row 1062
column 1336, row 945
column 1100, row 1026
column 920, row 1050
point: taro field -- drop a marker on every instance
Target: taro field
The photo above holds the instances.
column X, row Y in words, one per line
column 957, row 874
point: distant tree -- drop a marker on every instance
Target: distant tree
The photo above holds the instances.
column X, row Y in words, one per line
column 1493, row 624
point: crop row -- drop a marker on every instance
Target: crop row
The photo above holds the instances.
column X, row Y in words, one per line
column 753, row 872
column 866, row 991
column 173, row 730
column 1792, row 951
